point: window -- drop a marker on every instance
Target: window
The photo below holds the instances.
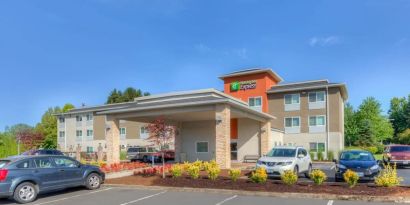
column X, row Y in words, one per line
column 292, row 122
column 89, row 117
column 144, row 132
column 78, row 118
column 202, row 147
column 317, row 146
column 23, row 165
column 65, row 162
column 302, row 152
column 90, row 149
column 317, row 121
column 43, row 163
column 255, row 102
column 90, row 133
column 61, row 119
column 79, row 133
column 292, row 99
column 317, row 96
column 61, row 134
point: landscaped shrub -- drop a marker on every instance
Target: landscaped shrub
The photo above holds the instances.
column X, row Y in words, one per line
column 330, row 155
column 380, row 148
column 208, row 165
column 289, row 177
column 351, row 178
column 199, row 164
column 176, row 170
column 259, row 175
column 388, row 177
column 318, row 176
column 234, row 174
column 213, row 172
column 371, row 149
column 320, row 156
column 312, row 155
column 193, row 171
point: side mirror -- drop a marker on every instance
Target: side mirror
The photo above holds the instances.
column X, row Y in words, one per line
column 335, row 161
column 379, row 162
column 301, row 156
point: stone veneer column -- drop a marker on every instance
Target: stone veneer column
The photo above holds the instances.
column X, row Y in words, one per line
column 223, row 136
column 266, row 137
column 113, row 140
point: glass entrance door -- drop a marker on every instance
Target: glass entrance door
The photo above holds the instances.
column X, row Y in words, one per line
column 234, row 150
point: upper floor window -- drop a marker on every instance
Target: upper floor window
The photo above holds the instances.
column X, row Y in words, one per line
column 61, row 134
column 79, row 133
column 123, row 131
column 317, row 121
column 78, row 118
column 317, row 96
column 89, row 117
column 255, row 103
column 90, row 133
column 292, row 122
column 292, row 99
column 61, row 119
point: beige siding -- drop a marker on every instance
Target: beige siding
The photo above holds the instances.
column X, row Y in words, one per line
column 99, row 127
column 193, row 132
column 248, row 137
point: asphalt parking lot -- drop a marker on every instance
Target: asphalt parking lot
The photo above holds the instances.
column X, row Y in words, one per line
column 129, row 196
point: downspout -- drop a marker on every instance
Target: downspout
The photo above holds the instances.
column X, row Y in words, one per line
column 327, row 121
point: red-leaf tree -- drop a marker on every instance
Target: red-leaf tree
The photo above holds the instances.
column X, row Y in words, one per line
column 161, row 135
column 30, row 139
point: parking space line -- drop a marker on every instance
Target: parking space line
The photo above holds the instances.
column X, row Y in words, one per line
column 330, row 202
column 143, row 198
column 227, row 199
column 70, row 197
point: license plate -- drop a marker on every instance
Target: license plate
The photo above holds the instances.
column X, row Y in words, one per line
column 269, row 171
column 360, row 174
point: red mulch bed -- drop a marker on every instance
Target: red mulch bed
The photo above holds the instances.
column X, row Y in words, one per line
column 223, row 182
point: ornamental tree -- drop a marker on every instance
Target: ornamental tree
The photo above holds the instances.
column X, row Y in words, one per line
column 161, row 135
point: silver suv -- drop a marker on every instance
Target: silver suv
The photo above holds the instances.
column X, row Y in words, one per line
column 280, row 159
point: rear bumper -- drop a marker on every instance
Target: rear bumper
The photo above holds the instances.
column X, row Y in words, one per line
column 400, row 162
column 5, row 190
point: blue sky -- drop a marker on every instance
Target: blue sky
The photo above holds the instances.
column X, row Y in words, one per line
column 53, row 52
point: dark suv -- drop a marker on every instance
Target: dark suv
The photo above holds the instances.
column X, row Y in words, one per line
column 23, row 177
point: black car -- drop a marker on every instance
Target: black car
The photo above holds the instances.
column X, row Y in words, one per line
column 42, row 152
column 23, row 177
column 361, row 162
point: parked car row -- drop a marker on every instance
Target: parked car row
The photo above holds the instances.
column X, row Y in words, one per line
column 148, row 154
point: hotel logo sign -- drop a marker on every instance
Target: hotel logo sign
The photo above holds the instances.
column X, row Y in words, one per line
column 243, row 85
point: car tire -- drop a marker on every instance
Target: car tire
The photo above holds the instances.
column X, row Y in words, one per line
column 25, row 192
column 307, row 173
column 296, row 170
column 337, row 179
column 93, row 181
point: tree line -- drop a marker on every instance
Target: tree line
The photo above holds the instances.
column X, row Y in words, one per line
column 366, row 126
column 44, row 134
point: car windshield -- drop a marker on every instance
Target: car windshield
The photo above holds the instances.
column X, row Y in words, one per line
column 356, row 156
column 3, row 163
column 400, row 149
column 282, row 152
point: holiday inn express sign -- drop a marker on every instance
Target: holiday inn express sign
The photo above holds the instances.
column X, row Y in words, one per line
column 243, row 85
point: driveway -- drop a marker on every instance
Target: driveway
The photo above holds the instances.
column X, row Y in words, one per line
column 130, row 196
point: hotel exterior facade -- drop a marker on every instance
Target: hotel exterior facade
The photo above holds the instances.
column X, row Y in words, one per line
column 254, row 112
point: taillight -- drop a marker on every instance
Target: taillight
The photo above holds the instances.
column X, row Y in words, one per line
column 3, row 174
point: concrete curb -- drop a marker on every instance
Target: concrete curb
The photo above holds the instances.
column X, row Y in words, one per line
column 391, row 199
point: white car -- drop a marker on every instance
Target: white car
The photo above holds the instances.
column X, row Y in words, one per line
column 280, row 159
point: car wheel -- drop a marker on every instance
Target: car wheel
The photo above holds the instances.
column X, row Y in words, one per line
column 307, row 174
column 25, row 193
column 337, row 179
column 296, row 170
column 93, row 181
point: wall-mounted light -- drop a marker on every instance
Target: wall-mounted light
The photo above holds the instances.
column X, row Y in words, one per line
column 218, row 120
